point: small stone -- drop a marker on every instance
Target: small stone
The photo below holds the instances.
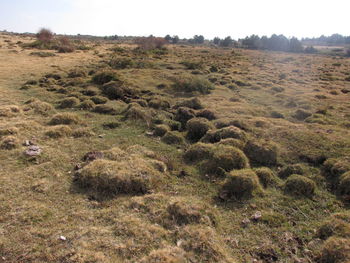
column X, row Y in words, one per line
column 78, row 166
column 245, row 222
column 257, row 216
column 149, row 133
column 33, row 150
column 63, row 238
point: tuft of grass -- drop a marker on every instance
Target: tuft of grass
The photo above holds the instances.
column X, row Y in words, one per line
column 192, row 84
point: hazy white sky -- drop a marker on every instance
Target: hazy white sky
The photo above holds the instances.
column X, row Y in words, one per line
column 181, row 17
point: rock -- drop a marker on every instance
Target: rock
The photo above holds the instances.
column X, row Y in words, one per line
column 33, row 150
column 245, row 222
column 257, row 216
column 91, row 156
column 63, row 238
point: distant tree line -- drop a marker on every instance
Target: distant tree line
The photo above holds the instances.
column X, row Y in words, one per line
column 275, row 42
column 333, row 40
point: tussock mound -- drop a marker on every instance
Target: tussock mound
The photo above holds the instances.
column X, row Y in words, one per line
column 65, row 118
column 262, row 153
column 173, row 137
column 9, row 143
column 240, row 184
column 335, row 250
column 299, row 186
column 165, row 255
column 203, row 244
column 224, row 133
column 117, row 172
column 291, row 169
column 266, row 176
column 197, row 128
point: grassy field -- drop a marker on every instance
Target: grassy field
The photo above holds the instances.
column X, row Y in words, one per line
column 183, row 154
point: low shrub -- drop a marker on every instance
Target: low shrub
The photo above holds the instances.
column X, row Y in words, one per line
column 299, row 186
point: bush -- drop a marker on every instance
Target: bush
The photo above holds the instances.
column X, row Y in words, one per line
column 240, row 184
column 45, row 35
column 9, row 143
column 299, row 186
column 64, row 118
column 197, row 128
column 193, row 103
column 225, row 159
column 69, row 103
column 104, row 77
column 335, row 250
column 266, row 176
column 192, row 84
column 149, row 43
column 160, row 130
column 99, row 99
column 291, row 169
column 262, row 153
column 172, row 137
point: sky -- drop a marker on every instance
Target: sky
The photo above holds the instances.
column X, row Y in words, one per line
column 185, row 18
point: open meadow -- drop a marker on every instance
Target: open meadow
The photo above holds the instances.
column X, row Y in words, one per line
column 185, row 153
